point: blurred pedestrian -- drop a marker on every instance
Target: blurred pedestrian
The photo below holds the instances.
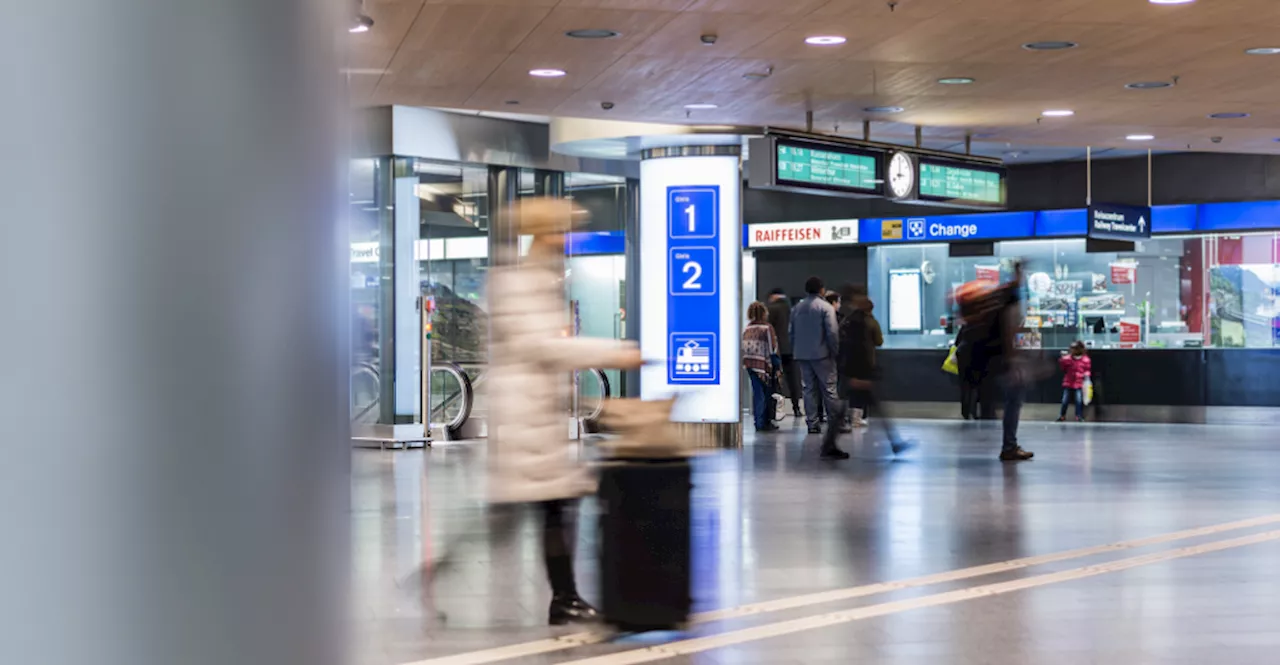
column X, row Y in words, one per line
column 816, row 343
column 760, row 359
column 532, row 462
column 1077, row 368
column 860, row 335
column 993, row 316
column 780, row 319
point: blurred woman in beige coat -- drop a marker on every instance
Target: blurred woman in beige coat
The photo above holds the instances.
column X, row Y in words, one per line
column 531, row 458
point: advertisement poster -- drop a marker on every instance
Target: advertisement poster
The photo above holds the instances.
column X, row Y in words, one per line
column 1123, row 273
column 905, row 312
column 1130, row 331
column 988, row 274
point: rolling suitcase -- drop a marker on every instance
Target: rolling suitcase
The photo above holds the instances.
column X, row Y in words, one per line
column 645, row 543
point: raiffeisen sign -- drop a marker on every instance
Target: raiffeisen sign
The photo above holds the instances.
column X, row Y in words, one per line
column 803, row 234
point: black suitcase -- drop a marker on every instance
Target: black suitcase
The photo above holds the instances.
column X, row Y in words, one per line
column 645, row 543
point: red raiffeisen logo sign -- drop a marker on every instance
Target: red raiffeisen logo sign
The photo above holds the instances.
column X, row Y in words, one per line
column 800, row 234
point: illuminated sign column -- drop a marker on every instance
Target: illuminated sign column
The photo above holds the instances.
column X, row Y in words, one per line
column 690, row 282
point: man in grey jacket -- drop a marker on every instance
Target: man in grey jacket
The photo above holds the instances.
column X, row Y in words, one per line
column 815, row 342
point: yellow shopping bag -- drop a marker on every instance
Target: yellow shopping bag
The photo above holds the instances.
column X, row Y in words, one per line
column 950, row 366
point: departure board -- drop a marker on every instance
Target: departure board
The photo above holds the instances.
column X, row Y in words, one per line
column 804, row 165
column 962, row 183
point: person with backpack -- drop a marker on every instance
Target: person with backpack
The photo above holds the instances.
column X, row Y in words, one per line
column 860, row 334
column 993, row 315
column 1076, row 370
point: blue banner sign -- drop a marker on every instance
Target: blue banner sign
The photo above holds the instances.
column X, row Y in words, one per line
column 949, row 228
column 1110, row 221
column 693, row 308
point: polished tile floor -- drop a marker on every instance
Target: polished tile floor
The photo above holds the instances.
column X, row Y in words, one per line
column 772, row 522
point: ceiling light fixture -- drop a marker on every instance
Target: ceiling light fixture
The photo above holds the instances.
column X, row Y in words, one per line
column 1049, row 46
column 1228, row 116
column 592, row 33
column 1058, row 113
column 1149, row 85
column 363, row 23
column 1140, row 137
column 956, row 80
column 884, row 109
column 1263, row 50
column 701, row 107
column 1170, row 2
column 547, row 73
column 825, row 40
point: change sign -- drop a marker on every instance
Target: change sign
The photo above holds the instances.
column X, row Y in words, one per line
column 1116, row 222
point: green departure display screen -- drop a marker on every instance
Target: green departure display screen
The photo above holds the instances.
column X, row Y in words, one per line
column 950, row 182
column 827, row 168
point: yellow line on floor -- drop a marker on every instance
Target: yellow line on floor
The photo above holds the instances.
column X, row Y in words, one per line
column 700, row 644
column 498, row 654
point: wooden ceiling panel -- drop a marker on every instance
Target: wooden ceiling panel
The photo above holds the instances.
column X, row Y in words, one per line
column 906, row 10
column 635, row 5
column 768, row 7
column 580, row 71
column 635, row 26
column 476, row 54
column 862, row 32
column 435, row 69
column 736, row 34
column 531, row 99
column 473, row 28
column 634, row 72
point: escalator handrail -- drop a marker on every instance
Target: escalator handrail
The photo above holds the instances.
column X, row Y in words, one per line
column 467, row 393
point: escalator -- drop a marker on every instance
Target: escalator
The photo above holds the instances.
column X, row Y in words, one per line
column 459, row 406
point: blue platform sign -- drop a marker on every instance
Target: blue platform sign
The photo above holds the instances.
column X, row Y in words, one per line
column 693, row 261
column 1110, row 221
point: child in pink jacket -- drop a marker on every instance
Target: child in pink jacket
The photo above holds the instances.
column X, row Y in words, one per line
column 1076, row 367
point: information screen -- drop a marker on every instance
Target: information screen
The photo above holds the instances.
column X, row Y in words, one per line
column 953, row 182
column 807, row 165
column 905, row 311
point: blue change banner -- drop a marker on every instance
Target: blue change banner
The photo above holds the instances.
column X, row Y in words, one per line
column 693, row 305
column 948, row 228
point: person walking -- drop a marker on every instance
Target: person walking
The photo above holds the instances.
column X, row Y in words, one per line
column 993, row 317
column 1076, row 369
column 860, row 335
column 780, row 319
column 816, row 344
column 532, row 462
column 759, row 358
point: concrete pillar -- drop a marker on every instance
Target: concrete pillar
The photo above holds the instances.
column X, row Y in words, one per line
column 173, row 404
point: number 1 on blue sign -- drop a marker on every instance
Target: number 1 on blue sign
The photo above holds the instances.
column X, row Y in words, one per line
column 692, row 212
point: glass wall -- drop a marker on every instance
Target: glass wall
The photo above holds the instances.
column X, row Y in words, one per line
column 1172, row 292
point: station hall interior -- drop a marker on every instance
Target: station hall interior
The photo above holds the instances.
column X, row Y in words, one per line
column 606, row 332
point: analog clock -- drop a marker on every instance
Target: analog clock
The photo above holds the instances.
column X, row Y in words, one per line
column 902, row 175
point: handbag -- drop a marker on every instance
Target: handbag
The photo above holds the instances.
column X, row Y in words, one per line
column 950, row 365
column 1087, row 389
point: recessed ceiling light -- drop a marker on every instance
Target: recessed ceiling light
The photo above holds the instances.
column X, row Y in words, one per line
column 1228, row 116
column 1263, row 50
column 1058, row 113
column 956, row 80
column 1149, row 85
column 362, row 24
column 825, row 40
column 1049, row 46
column 1170, row 2
column 701, row 107
column 1139, row 137
column 592, row 33
column 884, row 109
column 547, row 73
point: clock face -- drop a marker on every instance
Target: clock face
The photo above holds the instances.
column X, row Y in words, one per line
column 902, row 174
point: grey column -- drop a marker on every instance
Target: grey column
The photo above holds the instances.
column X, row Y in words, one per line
column 173, row 403
column 631, row 378
column 504, row 238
